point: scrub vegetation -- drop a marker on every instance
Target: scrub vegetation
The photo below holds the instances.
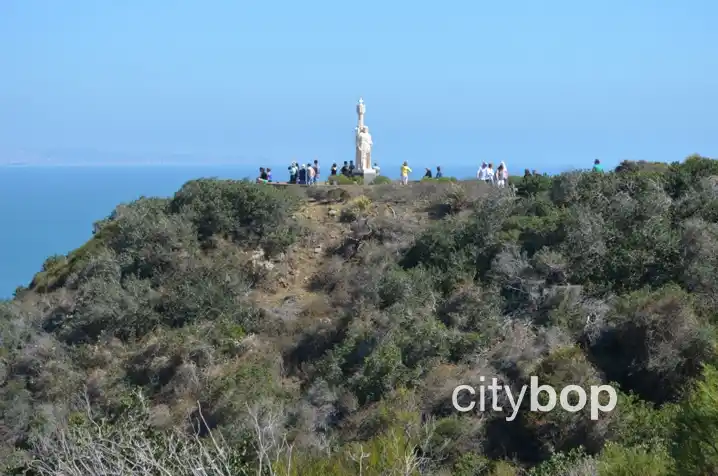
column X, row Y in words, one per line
column 240, row 328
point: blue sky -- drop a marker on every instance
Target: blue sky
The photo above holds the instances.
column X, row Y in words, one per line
column 543, row 85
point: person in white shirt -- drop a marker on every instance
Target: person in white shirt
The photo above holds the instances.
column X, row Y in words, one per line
column 490, row 177
column 481, row 173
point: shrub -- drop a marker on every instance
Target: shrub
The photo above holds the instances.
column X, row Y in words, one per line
column 130, row 445
column 693, row 445
column 352, row 180
column 381, row 180
column 439, row 179
column 533, row 185
column 356, row 208
column 241, row 210
column 53, row 261
column 654, row 343
column 617, row 460
column 453, row 201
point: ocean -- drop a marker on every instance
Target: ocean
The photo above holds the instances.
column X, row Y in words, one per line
column 49, row 210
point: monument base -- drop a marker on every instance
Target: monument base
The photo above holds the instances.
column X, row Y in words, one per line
column 368, row 174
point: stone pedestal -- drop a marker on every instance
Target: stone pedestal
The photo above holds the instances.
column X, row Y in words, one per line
column 368, row 174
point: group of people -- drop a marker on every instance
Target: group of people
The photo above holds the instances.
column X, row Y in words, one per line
column 348, row 168
column 305, row 174
column 500, row 177
column 406, row 170
column 308, row 174
column 265, row 175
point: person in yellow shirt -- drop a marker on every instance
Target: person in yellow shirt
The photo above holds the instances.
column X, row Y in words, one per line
column 405, row 171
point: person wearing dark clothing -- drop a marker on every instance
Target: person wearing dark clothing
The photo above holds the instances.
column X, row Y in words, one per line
column 351, row 167
column 345, row 169
column 333, row 174
column 527, row 173
column 438, row 172
column 262, row 176
column 334, row 169
column 302, row 175
column 428, row 173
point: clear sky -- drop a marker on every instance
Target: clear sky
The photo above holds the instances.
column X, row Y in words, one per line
column 544, row 84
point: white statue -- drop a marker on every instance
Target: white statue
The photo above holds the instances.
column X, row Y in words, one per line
column 363, row 141
column 364, row 144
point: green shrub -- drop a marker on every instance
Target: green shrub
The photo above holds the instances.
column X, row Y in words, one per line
column 356, row 208
column 352, row 180
column 654, row 343
column 564, row 463
column 381, row 180
column 53, row 262
column 246, row 212
column 532, row 185
column 694, row 442
column 440, row 179
column 617, row 460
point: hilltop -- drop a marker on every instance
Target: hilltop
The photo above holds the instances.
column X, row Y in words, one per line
column 256, row 329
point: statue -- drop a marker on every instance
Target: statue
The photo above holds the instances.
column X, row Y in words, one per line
column 364, row 144
column 363, row 141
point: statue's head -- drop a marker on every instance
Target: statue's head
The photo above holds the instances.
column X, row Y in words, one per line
column 365, row 129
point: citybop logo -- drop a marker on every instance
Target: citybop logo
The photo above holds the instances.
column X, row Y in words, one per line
column 598, row 394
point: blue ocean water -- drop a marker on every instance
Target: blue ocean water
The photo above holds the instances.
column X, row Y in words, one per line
column 48, row 210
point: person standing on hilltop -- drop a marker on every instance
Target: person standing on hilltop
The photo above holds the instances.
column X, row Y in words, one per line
column 377, row 168
column 345, row 169
column 505, row 174
column 293, row 173
column 333, row 174
column 302, row 175
column 405, row 171
column 351, row 167
column 428, row 173
column 311, row 173
column 438, row 172
column 489, row 178
column 481, row 173
column 597, row 167
column 500, row 175
column 316, row 172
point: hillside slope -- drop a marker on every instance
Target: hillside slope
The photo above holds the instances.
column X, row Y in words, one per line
column 252, row 329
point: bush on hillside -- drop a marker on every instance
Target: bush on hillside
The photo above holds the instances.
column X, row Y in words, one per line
column 439, row 179
column 239, row 210
column 351, row 180
column 381, row 180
